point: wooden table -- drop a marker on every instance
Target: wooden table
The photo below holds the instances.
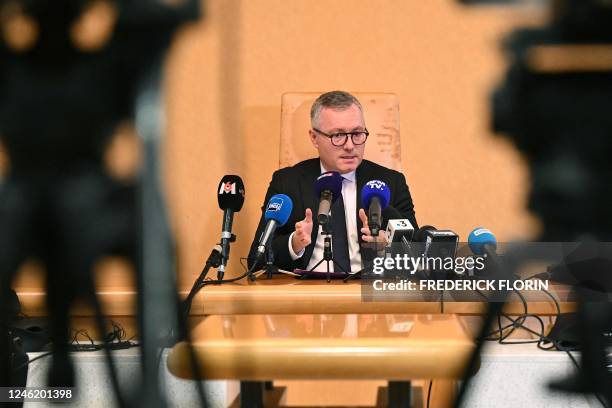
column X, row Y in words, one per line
column 287, row 295
column 257, row 348
column 281, row 294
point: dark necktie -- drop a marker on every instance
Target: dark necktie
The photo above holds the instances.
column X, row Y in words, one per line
column 339, row 236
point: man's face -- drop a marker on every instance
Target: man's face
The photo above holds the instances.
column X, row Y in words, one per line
column 342, row 159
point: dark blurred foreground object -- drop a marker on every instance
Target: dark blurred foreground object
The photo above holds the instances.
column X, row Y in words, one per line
column 70, row 72
column 18, row 376
column 555, row 106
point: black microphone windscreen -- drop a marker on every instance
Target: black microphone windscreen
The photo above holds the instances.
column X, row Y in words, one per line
column 331, row 180
column 230, row 193
column 419, row 235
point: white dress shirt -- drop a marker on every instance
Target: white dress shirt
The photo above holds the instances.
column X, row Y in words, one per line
column 349, row 195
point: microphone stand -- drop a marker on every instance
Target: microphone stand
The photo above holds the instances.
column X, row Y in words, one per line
column 328, row 255
column 213, row 261
column 355, row 275
column 226, row 240
column 271, row 269
column 358, row 274
column 406, row 249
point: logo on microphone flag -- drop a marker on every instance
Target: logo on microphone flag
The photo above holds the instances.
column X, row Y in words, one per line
column 275, row 204
column 377, row 184
column 227, row 188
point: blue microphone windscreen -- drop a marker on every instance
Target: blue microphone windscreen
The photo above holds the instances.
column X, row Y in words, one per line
column 330, row 180
column 480, row 237
column 279, row 209
column 375, row 188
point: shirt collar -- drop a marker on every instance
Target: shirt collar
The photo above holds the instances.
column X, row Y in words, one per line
column 350, row 176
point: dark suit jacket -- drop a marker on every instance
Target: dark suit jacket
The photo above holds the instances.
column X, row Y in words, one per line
column 298, row 183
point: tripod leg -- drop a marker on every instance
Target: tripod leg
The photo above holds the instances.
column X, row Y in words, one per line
column 305, row 276
column 340, row 268
column 271, row 270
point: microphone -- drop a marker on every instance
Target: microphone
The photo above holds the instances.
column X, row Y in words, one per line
column 230, row 196
column 398, row 231
column 398, row 228
column 328, row 188
column 419, row 235
column 430, row 234
column 375, row 196
column 277, row 213
column 482, row 241
column 439, row 244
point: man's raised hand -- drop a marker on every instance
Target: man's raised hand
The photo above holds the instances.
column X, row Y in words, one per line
column 303, row 230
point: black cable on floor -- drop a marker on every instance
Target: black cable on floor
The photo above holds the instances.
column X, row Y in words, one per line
column 541, row 336
column 48, row 353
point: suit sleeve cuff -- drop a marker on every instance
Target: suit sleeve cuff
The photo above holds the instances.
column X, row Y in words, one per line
column 292, row 253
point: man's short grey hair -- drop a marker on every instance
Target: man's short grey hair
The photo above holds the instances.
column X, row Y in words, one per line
column 337, row 100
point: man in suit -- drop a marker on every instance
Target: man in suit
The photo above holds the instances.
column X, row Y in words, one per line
column 339, row 134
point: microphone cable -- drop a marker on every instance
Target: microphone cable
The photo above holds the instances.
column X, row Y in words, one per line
column 203, row 281
column 542, row 337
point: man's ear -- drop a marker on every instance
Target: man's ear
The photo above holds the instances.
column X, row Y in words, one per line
column 313, row 138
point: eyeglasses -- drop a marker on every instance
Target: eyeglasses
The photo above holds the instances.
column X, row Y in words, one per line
column 339, row 139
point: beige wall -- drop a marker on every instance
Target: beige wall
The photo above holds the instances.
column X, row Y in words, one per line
column 225, row 77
